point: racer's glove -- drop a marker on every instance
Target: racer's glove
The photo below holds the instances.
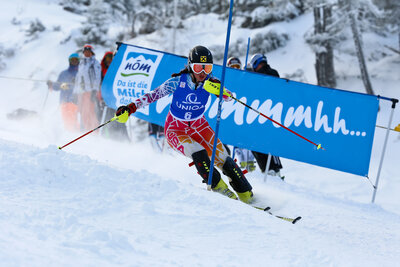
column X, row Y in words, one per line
column 123, row 112
column 213, row 86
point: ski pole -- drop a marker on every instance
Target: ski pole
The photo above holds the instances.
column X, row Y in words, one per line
column 274, row 121
column 107, row 122
column 21, row 78
column 396, row 129
column 32, row 80
column 214, row 88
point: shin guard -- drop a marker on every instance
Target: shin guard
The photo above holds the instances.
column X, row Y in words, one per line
column 236, row 177
column 202, row 163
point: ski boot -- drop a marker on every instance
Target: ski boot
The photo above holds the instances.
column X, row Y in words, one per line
column 237, row 180
column 202, row 163
column 248, row 165
column 246, row 197
column 223, row 189
column 276, row 173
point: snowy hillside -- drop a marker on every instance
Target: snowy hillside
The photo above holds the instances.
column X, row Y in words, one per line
column 60, row 209
column 104, row 203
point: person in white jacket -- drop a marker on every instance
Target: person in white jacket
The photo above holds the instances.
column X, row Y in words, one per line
column 87, row 87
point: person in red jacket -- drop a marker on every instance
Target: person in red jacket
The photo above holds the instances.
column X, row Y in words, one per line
column 105, row 63
column 114, row 131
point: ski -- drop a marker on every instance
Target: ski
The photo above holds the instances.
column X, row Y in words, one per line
column 288, row 219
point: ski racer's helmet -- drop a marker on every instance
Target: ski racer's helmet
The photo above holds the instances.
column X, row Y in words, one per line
column 234, row 62
column 256, row 60
column 200, row 54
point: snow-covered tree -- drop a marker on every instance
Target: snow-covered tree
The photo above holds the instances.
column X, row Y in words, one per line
column 124, row 13
column 352, row 10
column 94, row 30
column 391, row 15
column 267, row 42
column 5, row 53
column 360, row 51
column 332, row 26
column 76, row 6
column 326, row 35
column 259, row 13
column 35, row 27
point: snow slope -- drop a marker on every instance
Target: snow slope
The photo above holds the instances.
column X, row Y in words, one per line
column 105, row 203
column 60, row 209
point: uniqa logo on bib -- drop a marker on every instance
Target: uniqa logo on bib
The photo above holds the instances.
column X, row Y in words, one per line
column 138, row 64
column 190, row 103
column 191, row 99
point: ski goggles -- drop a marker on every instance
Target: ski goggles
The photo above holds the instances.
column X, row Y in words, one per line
column 198, row 67
column 235, row 66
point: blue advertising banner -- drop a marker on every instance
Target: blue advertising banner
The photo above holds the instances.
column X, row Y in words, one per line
column 343, row 122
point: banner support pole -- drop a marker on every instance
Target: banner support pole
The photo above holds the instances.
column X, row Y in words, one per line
column 267, row 167
column 394, row 101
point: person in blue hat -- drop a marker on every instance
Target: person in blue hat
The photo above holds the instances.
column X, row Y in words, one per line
column 68, row 102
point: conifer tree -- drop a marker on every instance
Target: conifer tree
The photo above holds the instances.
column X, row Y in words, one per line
column 94, row 29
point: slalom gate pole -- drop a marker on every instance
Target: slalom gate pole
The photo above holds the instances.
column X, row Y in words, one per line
column 247, row 53
column 228, row 33
column 274, row 121
column 98, row 127
column 267, row 167
column 245, row 68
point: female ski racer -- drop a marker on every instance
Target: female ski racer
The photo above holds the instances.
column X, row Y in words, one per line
column 187, row 130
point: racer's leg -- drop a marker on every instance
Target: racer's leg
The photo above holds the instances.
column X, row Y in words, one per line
column 177, row 134
column 204, row 135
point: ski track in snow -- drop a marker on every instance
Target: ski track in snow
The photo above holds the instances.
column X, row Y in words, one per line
column 66, row 209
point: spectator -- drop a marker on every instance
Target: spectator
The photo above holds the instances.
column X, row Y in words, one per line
column 115, row 131
column 258, row 63
column 246, row 159
column 68, row 102
column 234, row 62
column 105, row 63
column 87, row 87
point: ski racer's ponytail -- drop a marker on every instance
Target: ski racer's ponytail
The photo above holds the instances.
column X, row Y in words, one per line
column 185, row 70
